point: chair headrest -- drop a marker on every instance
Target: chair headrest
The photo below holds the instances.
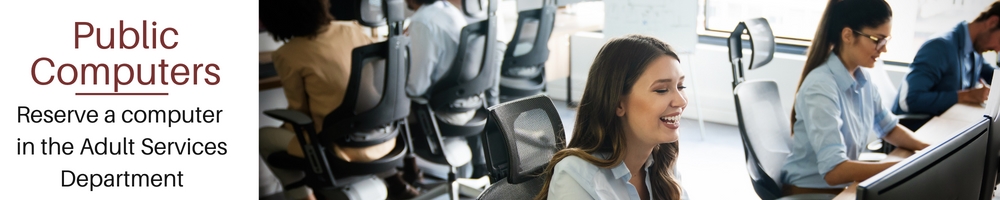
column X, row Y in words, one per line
column 375, row 13
column 761, row 42
column 479, row 8
column 523, row 137
column 535, row 27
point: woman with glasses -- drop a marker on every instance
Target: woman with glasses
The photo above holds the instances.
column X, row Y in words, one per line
column 836, row 106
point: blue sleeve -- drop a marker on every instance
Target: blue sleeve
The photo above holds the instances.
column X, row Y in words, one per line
column 927, row 69
column 987, row 71
column 817, row 108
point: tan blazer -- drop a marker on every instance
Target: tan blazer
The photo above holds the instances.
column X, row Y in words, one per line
column 314, row 74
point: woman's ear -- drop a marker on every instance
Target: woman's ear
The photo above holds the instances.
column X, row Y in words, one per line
column 620, row 110
column 847, row 36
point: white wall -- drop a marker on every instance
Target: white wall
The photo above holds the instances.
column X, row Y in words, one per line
column 674, row 21
column 709, row 77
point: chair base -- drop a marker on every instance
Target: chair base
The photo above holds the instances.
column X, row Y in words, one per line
column 451, row 188
column 464, row 191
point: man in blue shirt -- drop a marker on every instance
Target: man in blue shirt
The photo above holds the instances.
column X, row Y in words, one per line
column 948, row 68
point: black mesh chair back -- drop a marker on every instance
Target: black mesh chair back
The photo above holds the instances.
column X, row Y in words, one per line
column 373, row 111
column 367, row 104
column 461, row 90
column 472, row 72
column 523, row 68
column 363, row 119
column 521, row 138
column 765, row 131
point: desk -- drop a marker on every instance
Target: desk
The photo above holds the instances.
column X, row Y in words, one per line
column 851, row 192
column 937, row 130
column 946, row 125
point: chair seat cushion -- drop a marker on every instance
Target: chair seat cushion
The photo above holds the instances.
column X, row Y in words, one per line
column 471, row 127
column 523, row 48
column 517, row 83
column 364, row 154
column 457, row 151
column 342, row 168
column 522, row 71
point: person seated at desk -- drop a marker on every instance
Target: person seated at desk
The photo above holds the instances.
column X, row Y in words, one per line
column 836, row 107
column 434, row 31
column 314, row 65
column 493, row 94
column 624, row 145
column 948, row 68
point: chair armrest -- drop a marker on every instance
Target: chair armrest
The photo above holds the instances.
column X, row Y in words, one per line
column 290, row 116
column 913, row 121
column 913, row 116
column 910, row 121
column 808, row 197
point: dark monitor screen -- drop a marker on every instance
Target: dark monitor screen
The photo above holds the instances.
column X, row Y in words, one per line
column 954, row 169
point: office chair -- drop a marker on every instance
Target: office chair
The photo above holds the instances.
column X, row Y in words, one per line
column 520, row 139
column 523, row 69
column 763, row 124
column 356, row 123
column 373, row 111
column 765, row 133
column 472, row 73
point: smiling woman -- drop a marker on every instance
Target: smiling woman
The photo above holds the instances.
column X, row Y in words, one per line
column 624, row 145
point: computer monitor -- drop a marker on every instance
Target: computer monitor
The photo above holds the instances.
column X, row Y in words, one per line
column 992, row 159
column 954, row 169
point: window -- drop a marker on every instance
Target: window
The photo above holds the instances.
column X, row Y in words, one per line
column 795, row 21
column 792, row 19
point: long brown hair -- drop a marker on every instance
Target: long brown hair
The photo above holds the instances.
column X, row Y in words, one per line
column 598, row 129
column 840, row 14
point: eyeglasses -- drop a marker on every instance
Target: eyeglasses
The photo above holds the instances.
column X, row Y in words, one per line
column 879, row 42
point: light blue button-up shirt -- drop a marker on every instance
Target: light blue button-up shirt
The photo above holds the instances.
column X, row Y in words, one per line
column 575, row 178
column 835, row 113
